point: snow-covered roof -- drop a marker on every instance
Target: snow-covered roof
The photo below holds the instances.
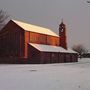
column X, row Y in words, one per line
column 50, row 48
column 34, row 28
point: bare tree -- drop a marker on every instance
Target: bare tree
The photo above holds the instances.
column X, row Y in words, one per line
column 3, row 18
column 80, row 49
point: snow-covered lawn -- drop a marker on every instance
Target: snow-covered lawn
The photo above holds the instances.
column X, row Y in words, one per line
column 61, row 76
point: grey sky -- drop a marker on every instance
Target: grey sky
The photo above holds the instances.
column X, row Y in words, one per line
column 48, row 13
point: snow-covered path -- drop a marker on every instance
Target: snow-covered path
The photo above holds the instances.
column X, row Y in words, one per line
column 62, row 76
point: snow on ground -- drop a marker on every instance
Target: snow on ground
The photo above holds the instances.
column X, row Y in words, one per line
column 61, row 76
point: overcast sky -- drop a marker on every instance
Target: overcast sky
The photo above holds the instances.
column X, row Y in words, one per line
column 48, row 13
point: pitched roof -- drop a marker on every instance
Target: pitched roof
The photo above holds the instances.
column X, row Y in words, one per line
column 34, row 28
column 50, row 48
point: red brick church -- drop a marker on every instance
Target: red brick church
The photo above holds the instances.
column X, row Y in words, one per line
column 25, row 43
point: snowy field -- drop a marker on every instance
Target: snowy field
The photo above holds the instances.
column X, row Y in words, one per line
column 64, row 76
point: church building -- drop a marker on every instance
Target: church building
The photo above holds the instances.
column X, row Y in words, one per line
column 25, row 43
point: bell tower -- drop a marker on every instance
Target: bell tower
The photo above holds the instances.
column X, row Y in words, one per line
column 62, row 35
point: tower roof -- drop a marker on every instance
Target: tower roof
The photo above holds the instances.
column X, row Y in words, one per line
column 62, row 23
